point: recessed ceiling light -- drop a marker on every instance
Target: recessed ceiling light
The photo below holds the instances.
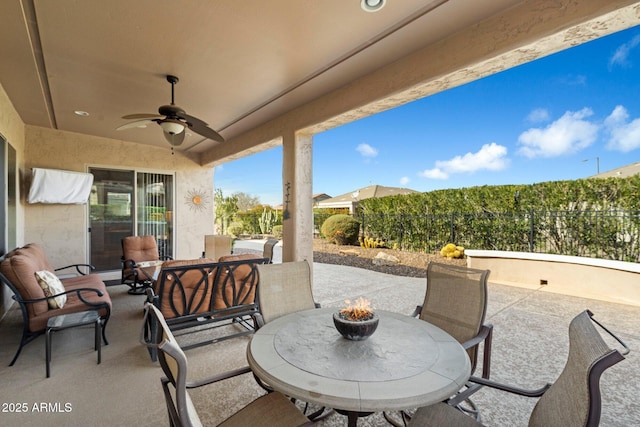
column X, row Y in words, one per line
column 81, row 113
column 372, row 5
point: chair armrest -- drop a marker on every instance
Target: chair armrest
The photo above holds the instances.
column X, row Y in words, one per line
column 77, row 291
column 218, row 377
column 482, row 335
column 417, row 311
column 259, row 321
column 128, row 263
column 485, row 335
column 151, row 296
column 511, row 389
column 77, row 267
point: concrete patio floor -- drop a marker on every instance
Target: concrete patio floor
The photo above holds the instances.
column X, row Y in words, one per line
column 530, row 342
column 529, row 349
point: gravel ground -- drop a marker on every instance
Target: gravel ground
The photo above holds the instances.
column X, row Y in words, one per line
column 411, row 264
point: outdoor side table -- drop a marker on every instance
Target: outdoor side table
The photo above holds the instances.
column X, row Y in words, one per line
column 72, row 320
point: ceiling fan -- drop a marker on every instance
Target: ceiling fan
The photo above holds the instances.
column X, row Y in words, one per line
column 173, row 120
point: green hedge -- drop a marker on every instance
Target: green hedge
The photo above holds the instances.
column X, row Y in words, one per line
column 594, row 217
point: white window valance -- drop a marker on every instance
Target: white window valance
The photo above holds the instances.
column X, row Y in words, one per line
column 58, row 186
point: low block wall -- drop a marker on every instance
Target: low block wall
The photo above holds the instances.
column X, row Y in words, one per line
column 606, row 280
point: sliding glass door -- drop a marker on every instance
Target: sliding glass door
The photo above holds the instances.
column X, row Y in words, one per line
column 110, row 216
column 127, row 203
column 155, row 209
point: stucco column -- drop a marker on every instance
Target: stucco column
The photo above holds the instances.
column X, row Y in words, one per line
column 297, row 198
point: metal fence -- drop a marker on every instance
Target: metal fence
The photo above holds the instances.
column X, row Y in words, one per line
column 611, row 234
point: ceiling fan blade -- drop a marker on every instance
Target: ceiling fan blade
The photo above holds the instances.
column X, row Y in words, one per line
column 200, row 127
column 142, row 116
column 175, row 139
column 136, row 124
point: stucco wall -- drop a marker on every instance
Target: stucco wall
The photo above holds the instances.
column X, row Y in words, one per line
column 62, row 229
column 604, row 280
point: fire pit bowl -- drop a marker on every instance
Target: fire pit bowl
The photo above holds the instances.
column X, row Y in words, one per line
column 355, row 330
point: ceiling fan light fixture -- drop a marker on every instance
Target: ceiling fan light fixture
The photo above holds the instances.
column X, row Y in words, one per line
column 175, row 139
column 372, row 5
column 172, row 126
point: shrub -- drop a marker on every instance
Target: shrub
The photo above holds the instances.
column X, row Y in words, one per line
column 341, row 229
column 370, row 242
column 277, row 231
column 452, row 251
column 235, row 229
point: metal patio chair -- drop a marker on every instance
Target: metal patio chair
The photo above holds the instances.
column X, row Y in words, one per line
column 272, row 409
column 456, row 302
column 139, row 249
column 217, row 246
column 574, row 400
column 267, row 251
column 283, row 289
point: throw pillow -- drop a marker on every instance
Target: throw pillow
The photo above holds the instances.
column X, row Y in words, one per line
column 51, row 285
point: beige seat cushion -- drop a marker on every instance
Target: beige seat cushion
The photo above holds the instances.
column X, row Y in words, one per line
column 196, row 297
column 245, row 279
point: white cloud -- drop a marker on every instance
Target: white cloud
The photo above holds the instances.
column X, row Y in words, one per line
column 366, row 150
column 538, row 115
column 623, row 135
column 404, row 180
column 569, row 134
column 490, row 157
column 574, row 80
column 435, row 173
column 621, row 55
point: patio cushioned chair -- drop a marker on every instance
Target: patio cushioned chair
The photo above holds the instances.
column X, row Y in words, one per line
column 456, row 302
column 574, row 400
column 136, row 249
column 272, row 409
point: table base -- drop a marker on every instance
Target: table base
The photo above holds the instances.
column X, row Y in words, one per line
column 352, row 416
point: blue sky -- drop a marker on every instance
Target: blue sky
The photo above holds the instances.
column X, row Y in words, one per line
column 534, row 123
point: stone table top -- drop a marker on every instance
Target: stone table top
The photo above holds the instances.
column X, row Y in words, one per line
column 406, row 363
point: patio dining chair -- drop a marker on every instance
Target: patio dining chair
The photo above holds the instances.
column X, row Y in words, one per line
column 456, row 302
column 217, row 246
column 283, row 289
column 137, row 249
column 272, row 409
column 574, row 400
column 267, row 251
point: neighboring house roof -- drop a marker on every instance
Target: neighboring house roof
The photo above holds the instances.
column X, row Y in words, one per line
column 621, row 172
column 347, row 200
column 318, row 197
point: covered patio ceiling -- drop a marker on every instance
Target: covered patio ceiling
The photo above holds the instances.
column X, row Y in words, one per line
column 250, row 69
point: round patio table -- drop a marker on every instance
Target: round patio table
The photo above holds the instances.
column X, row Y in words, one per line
column 407, row 363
